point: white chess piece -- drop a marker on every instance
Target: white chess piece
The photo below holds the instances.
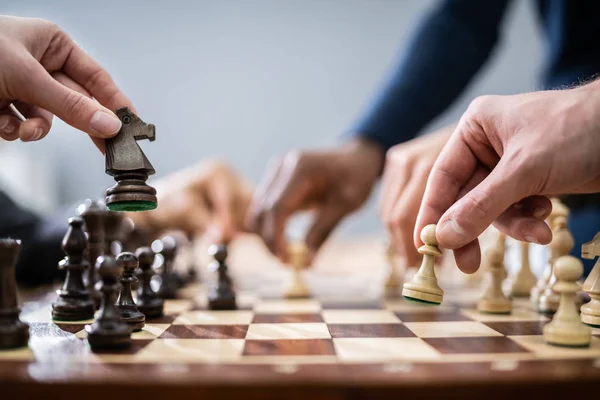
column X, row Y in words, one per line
column 566, row 328
column 494, row 301
column 298, row 253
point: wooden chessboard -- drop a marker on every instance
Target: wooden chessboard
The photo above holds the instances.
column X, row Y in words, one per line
column 336, row 345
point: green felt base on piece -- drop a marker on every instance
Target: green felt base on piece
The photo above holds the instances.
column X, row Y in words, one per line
column 580, row 346
column 496, row 313
column 421, row 301
column 132, row 206
column 592, row 325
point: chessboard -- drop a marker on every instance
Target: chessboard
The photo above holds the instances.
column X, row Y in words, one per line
column 328, row 346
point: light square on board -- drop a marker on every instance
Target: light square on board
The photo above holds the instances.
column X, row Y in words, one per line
column 384, row 349
column 149, row 332
column 287, row 306
column 233, row 317
column 359, row 317
column 432, row 316
column 286, row 318
column 192, row 350
column 402, row 305
column 177, row 306
column 540, row 348
column 517, row 314
column 450, row 329
column 288, row 331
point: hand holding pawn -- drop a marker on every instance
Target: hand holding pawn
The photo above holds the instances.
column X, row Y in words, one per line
column 424, row 287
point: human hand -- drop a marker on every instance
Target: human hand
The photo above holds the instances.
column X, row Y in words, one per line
column 331, row 183
column 507, row 154
column 43, row 73
column 208, row 198
column 405, row 176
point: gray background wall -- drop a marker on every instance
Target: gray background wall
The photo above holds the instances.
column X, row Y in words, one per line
column 242, row 80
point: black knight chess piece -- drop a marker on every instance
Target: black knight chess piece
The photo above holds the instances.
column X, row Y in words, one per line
column 93, row 213
column 125, row 304
column 13, row 332
column 148, row 302
column 74, row 302
column 167, row 247
column 109, row 331
column 127, row 163
column 221, row 295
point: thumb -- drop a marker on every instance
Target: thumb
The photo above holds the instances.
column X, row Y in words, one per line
column 509, row 182
column 325, row 220
column 70, row 106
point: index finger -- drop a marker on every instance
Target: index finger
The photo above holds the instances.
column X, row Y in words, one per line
column 84, row 70
column 451, row 171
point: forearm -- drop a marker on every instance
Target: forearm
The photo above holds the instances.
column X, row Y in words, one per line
column 447, row 49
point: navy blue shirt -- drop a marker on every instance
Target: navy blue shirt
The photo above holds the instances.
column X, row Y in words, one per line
column 454, row 40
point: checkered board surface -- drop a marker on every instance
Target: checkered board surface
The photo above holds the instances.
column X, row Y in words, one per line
column 312, row 331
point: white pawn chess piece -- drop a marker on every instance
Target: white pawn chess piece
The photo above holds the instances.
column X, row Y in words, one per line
column 524, row 280
column 566, row 328
column 558, row 209
column 394, row 280
column 590, row 312
column 494, row 301
column 423, row 286
column 298, row 253
column 562, row 244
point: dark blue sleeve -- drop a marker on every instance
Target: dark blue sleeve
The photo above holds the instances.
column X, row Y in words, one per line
column 448, row 47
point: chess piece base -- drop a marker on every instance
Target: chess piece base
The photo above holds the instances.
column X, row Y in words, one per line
column 152, row 308
column 132, row 317
column 421, row 296
column 221, row 299
column 590, row 315
column 297, row 292
column 73, row 309
column 494, row 307
column 567, row 336
column 15, row 335
column 108, row 337
column 131, row 193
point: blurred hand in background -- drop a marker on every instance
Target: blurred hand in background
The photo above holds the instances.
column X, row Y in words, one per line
column 208, row 198
column 405, row 176
column 43, row 73
column 331, row 183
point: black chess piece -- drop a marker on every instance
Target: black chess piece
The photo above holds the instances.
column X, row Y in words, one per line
column 109, row 331
column 148, row 302
column 127, row 163
column 93, row 213
column 221, row 295
column 74, row 302
column 167, row 247
column 125, row 304
column 13, row 332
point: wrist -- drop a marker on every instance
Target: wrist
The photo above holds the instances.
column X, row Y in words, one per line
column 369, row 154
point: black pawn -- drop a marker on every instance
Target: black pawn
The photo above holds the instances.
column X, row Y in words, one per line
column 148, row 302
column 125, row 304
column 74, row 302
column 93, row 213
column 167, row 247
column 221, row 295
column 109, row 332
column 13, row 332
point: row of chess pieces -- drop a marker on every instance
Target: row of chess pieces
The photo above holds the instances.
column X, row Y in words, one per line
column 100, row 280
column 555, row 293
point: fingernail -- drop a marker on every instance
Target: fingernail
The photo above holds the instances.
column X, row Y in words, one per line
column 105, row 123
column 37, row 134
column 539, row 212
column 530, row 239
column 451, row 228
